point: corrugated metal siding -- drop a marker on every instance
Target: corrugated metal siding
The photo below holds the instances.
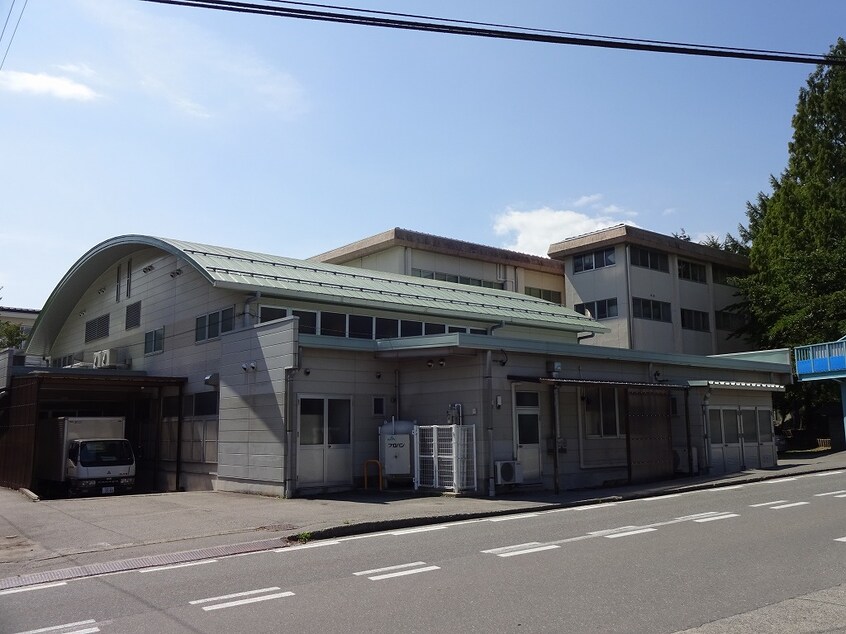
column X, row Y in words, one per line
column 17, row 433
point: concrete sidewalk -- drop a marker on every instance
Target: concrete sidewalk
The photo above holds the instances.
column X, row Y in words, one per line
column 61, row 539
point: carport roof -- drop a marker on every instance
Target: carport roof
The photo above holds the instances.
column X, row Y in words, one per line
column 311, row 281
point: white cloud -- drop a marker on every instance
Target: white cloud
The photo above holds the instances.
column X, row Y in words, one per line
column 174, row 61
column 587, row 200
column 47, row 85
column 534, row 230
column 83, row 70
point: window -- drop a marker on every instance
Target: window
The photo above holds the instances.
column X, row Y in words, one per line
column 411, row 328
column 128, row 278
column 651, row 309
column 692, row 271
column 724, row 274
column 386, row 328
column 435, row 329
column 361, row 327
column 594, row 260
column 154, row 341
column 214, row 324
column 117, row 285
column 308, row 321
column 378, row 405
column 205, row 403
column 727, row 320
column 654, row 260
column 333, row 324
column 269, row 313
column 695, row 320
column 545, row 294
column 603, row 412
column 600, row 309
column 456, row 279
column 97, row 328
column 133, row 315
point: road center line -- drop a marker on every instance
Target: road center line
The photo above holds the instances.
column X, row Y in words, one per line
column 58, row 627
column 767, row 503
column 402, row 573
column 714, row 518
column 232, row 604
column 628, row 533
column 174, row 566
column 233, row 596
column 388, row 568
column 787, row 506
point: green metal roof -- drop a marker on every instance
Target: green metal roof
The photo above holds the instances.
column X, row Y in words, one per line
column 313, row 282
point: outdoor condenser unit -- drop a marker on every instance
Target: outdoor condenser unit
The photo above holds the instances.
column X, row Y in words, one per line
column 509, row 472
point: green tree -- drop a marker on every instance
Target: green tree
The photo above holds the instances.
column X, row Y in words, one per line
column 795, row 293
column 11, row 335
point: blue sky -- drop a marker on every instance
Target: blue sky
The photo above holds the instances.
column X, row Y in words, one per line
column 293, row 137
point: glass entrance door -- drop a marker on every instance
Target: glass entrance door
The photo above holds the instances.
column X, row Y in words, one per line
column 325, row 450
column 527, row 434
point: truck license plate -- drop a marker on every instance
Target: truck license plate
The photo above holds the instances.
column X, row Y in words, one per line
column 108, row 490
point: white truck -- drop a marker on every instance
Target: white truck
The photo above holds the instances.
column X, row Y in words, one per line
column 84, row 455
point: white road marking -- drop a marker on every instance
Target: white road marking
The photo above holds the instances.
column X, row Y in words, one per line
column 730, row 488
column 387, row 568
column 714, row 518
column 536, row 549
column 628, row 533
column 819, row 495
column 419, row 529
column 840, row 539
column 506, row 518
column 825, row 473
column 787, row 506
column 87, row 630
column 232, row 604
column 400, row 570
column 233, row 596
column 331, row 542
column 59, row 627
column 841, row 496
column 590, row 507
column 185, row 565
column 520, row 549
column 778, row 480
column 402, row 573
column 30, row 588
column 767, row 503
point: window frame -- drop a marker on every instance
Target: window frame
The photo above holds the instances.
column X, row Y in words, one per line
column 639, row 303
column 154, row 341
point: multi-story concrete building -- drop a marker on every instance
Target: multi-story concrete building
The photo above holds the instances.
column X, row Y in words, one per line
column 25, row 317
column 654, row 292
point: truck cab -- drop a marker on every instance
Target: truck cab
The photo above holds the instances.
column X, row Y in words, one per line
column 100, row 465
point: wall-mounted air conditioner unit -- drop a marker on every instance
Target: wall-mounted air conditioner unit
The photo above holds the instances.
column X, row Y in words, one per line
column 509, row 472
column 108, row 358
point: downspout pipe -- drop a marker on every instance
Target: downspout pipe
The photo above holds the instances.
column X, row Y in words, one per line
column 289, row 432
column 179, row 422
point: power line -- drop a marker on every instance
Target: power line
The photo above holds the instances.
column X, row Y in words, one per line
column 387, row 19
column 12, row 36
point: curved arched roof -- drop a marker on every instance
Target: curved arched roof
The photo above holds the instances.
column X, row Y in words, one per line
column 309, row 281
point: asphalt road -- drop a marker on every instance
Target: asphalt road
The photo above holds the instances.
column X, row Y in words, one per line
column 762, row 557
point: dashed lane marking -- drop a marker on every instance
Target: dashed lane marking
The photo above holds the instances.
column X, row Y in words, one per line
column 834, row 493
column 787, row 506
column 767, row 503
column 400, row 570
column 56, row 628
column 246, row 601
column 714, row 518
column 520, row 549
column 637, row 531
column 234, row 595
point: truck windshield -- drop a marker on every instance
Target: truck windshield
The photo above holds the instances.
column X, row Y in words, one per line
column 105, row 453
